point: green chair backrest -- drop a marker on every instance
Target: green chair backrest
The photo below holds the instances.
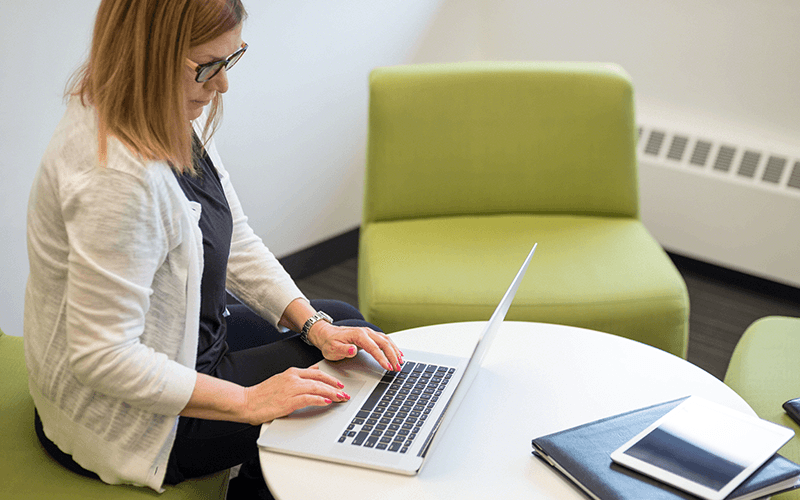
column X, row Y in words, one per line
column 494, row 137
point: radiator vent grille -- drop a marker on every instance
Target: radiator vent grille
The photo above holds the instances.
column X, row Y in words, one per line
column 700, row 154
column 677, row 148
column 774, row 169
column 654, row 143
column 794, row 179
column 742, row 163
column 724, row 158
column 749, row 164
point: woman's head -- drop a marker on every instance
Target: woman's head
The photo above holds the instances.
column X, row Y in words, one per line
column 208, row 77
column 137, row 76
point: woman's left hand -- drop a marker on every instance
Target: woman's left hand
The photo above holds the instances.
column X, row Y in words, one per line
column 339, row 342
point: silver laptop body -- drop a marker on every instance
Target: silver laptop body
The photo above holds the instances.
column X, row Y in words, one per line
column 374, row 437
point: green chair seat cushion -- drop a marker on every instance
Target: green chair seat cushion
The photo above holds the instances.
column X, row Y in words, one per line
column 29, row 472
column 765, row 372
column 602, row 273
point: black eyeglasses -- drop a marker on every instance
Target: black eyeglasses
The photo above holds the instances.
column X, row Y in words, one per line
column 207, row 71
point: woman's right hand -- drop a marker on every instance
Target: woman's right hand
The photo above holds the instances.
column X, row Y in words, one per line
column 291, row 390
column 279, row 395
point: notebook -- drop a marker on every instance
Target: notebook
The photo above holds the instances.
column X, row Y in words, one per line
column 393, row 419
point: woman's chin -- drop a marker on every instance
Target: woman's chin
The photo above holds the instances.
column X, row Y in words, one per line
column 194, row 114
column 194, row 110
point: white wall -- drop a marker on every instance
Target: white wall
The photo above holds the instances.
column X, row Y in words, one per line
column 295, row 117
column 735, row 62
column 42, row 42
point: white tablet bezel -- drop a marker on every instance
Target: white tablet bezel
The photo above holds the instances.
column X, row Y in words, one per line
column 774, row 436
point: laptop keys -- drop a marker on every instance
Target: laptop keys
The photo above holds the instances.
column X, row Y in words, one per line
column 391, row 417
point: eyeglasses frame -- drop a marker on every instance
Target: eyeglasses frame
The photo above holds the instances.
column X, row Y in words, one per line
column 223, row 63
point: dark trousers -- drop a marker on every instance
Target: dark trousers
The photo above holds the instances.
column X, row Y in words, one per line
column 257, row 351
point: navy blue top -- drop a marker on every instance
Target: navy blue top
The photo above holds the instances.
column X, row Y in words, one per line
column 216, row 225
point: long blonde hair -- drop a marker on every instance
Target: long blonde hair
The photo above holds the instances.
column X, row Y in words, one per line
column 134, row 74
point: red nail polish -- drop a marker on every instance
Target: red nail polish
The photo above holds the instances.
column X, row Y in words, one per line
column 341, row 385
column 351, row 351
column 328, row 401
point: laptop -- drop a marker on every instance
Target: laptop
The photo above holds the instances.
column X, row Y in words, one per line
column 393, row 418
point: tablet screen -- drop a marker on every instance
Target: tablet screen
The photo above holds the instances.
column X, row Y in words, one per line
column 684, row 455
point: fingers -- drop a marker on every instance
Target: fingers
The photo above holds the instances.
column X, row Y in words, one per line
column 390, row 351
column 339, row 342
column 291, row 390
column 382, row 348
column 376, row 344
column 303, row 400
column 314, row 373
column 314, row 387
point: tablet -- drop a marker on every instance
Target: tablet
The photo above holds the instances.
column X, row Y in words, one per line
column 703, row 448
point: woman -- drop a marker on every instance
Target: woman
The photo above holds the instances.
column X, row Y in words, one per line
column 134, row 234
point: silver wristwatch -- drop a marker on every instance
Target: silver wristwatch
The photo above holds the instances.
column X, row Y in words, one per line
column 318, row 316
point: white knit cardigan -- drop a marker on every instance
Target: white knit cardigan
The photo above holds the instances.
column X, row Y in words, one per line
column 113, row 299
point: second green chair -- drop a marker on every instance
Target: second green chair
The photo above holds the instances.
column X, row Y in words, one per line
column 469, row 164
column 764, row 371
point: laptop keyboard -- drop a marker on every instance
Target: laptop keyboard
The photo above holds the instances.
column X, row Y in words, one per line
column 398, row 407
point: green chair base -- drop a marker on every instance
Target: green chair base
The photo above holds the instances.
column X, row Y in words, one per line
column 765, row 372
column 602, row 273
column 29, row 472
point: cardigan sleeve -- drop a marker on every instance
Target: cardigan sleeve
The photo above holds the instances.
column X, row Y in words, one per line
column 119, row 234
column 254, row 276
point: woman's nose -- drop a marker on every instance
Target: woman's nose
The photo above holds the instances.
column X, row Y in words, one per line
column 220, row 81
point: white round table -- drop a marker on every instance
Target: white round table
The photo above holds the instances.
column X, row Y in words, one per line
column 536, row 379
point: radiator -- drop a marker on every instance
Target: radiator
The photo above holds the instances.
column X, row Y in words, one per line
column 730, row 200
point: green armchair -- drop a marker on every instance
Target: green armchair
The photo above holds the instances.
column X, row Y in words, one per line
column 469, row 164
column 29, row 472
column 765, row 372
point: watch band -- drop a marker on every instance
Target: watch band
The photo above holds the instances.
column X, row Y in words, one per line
column 318, row 316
